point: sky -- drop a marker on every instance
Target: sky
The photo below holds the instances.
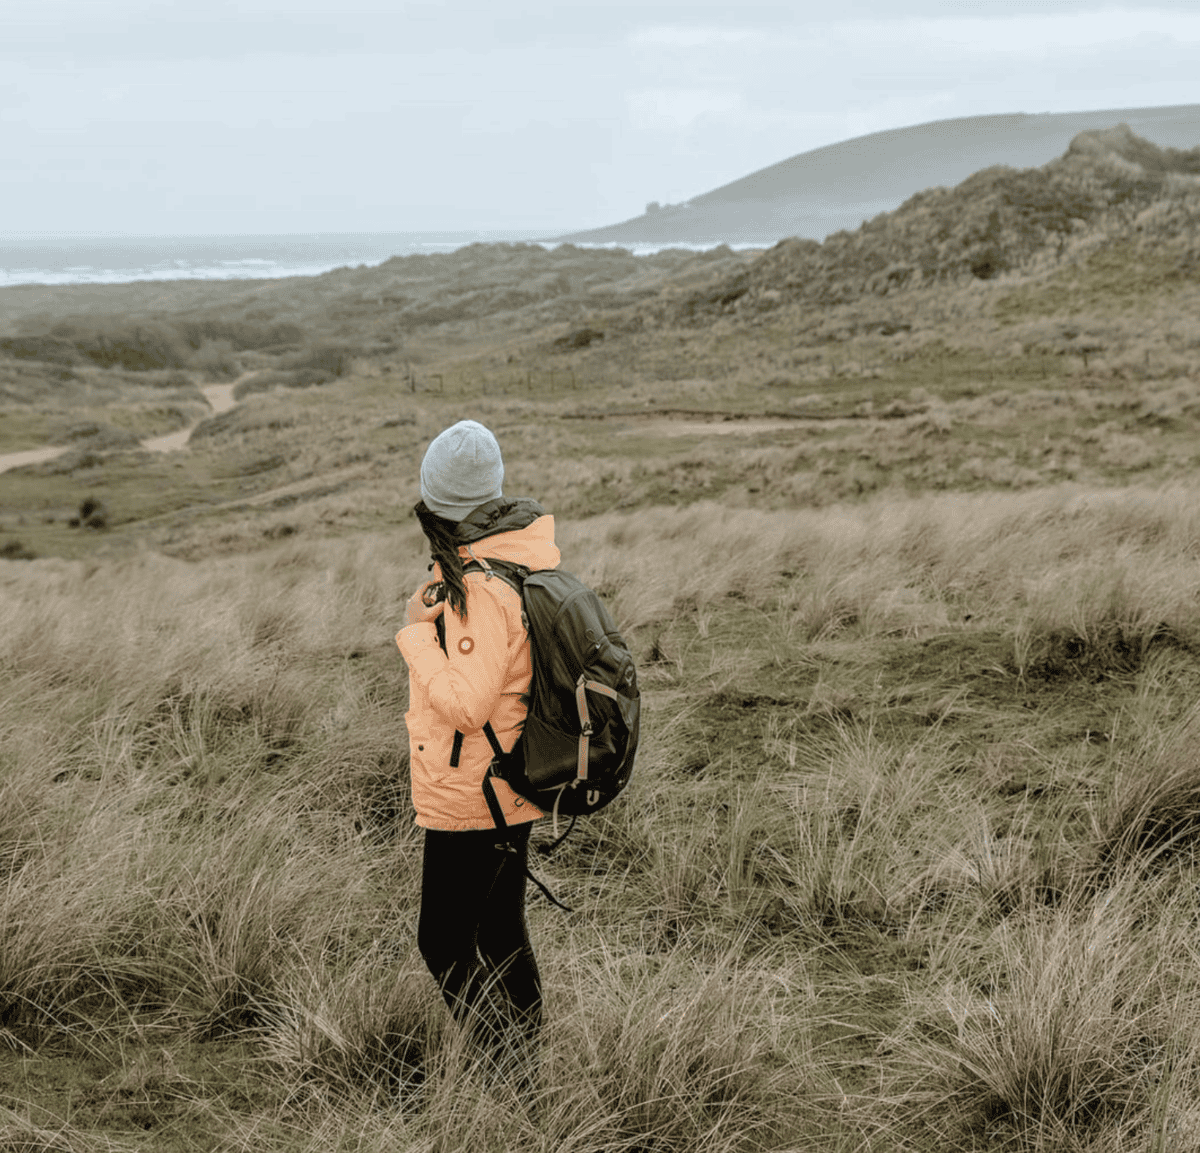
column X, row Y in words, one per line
column 203, row 117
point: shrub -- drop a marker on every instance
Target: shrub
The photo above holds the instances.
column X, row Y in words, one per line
column 216, row 359
column 239, row 335
column 137, row 348
column 333, row 359
column 15, row 550
column 44, row 348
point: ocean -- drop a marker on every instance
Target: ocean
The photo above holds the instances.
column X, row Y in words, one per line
column 81, row 259
column 65, row 259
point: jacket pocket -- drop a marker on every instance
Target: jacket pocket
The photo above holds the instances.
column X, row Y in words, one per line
column 423, row 752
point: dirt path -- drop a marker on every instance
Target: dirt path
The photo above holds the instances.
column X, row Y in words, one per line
column 29, row 456
column 220, row 399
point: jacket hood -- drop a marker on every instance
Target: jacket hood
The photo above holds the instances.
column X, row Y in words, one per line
column 503, row 514
column 517, row 530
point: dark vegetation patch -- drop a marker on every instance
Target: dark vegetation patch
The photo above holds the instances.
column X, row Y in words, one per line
column 97, row 436
column 1153, row 814
column 243, row 419
column 92, row 514
column 175, row 1096
column 82, row 459
column 261, row 464
column 579, row 338
column 48, row 349
column 719, row 299
column 1110, row 650
column 331, row 359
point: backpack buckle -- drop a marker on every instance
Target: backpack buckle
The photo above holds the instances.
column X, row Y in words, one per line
column 483, row 564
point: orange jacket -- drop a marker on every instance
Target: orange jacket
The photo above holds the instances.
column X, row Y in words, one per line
column 480, row 677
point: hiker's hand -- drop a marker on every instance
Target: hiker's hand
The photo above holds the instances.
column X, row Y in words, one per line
column 418, row 611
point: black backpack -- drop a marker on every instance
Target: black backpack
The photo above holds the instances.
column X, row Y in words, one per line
column 579, row 740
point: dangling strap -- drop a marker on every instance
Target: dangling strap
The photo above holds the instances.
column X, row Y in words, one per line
column 546, row 850
column 506, row 847
column 549, row 895
column 493, row 804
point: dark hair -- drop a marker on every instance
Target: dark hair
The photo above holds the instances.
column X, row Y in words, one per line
column 442, row 535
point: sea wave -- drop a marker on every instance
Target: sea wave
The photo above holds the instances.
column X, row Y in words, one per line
column 55, row 260
column 226, row 270
column 38, row 260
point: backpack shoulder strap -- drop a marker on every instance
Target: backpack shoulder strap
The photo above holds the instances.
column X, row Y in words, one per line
column 508, row 571
column 511, row 574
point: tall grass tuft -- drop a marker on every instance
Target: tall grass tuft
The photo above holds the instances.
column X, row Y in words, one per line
column 1069, row 1032
column 679, row 1056
column 369, row 1031
column 1153, row 813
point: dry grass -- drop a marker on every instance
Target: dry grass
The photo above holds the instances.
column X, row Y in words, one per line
column 1151, row 818
column 1081, row 1025
column 907, row 862
column 859, row 891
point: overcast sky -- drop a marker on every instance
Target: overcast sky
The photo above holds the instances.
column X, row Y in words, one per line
column 208, row 116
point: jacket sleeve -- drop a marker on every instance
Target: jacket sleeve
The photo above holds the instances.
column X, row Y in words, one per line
column 464, row 683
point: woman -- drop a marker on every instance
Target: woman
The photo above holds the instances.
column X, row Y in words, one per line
column 472, row 931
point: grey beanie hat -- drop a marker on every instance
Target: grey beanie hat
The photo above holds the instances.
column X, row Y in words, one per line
column 462, row 469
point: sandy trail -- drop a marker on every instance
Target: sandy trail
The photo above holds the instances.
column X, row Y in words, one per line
column 29, row 456
column 220, row 399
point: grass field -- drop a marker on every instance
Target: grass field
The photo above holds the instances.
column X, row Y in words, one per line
column 908, row 857
column 908, row 862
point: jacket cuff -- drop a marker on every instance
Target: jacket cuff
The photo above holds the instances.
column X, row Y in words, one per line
column 419, row 645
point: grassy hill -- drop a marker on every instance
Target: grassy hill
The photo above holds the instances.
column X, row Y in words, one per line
column 1110, row 189
column 909, row 567
column 840, row 185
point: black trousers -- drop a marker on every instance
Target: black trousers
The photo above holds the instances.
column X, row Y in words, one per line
column 474, row 938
